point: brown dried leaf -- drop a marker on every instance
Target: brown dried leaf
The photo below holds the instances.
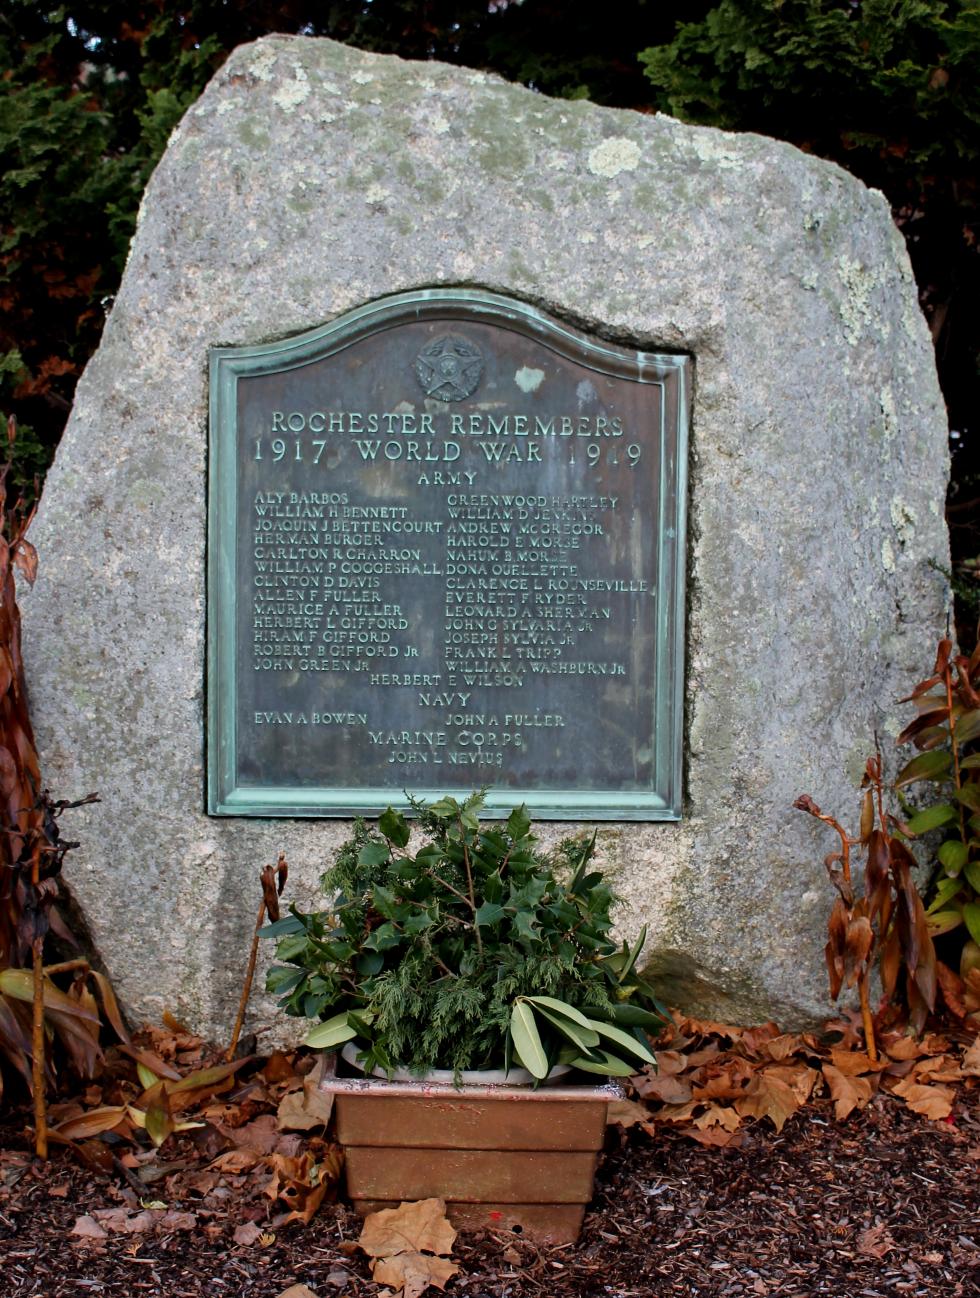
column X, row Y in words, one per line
column 716, row 1115
column 298, row 1291
column 780, row 1048
column 304, row 1109
column 854, row 1062
column 718, row 1137
column 934, row 1102
column 668, row 1090
column 970, row 1067
column 627, row 1113
column 875, row 1242
column 88, row 1228
column 235, row 1161
column 849, row 1093
column 92, row 1123
column 412, row 1273
column 247, row 1234
column 411, row 1227
column 800, row 1078
column 769, row 1097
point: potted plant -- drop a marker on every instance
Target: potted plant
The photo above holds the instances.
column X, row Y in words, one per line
column 472, row 952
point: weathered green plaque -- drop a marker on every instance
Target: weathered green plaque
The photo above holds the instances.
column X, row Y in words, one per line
column 446, row 550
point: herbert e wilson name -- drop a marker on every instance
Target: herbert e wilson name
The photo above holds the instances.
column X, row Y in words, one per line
column 445, row 551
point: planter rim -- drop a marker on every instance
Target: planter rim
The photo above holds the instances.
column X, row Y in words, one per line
column 608, row 1092
column 496, row 1077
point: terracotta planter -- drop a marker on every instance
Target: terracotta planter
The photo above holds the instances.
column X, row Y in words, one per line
column 500, row 1156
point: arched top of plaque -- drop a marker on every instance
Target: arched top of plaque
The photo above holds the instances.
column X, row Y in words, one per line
column 450, row 304
column 446, row 550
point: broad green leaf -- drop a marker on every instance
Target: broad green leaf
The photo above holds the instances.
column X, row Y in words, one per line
column 971, row 873
column 527, row 1042
column 943, row 921
column 969, row 795
column 945, row 889
column 604, row 1063
column 634, row 953
column 967, row 726
column 518, row 822
column 953, row 855
column 582, row 1038
column 630, row 1016
column 373, row 853
column 559, row 1007
column 624, row 1040
column 927, row 766
column 383, row 938
column 282, row 927
column 971, row 917
column 394, row 826
column 368, row 963
column 333, row 1032
column 146, row 1075
column 970, row 763
column 941, row 813
column 489, row 913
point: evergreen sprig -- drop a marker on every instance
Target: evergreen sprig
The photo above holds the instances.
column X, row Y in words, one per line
column 466, row 953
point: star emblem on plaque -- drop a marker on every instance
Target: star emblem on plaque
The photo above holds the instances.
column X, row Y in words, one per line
column 449, row 368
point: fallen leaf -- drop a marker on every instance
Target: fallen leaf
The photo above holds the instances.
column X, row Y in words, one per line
column 411, row 1227
column 304, row 1109
column 260, row 1135
column 800, row 1078
column 667, row 1089
column 247, row 1234
column 717, row 1136
column 934, row 1102
column 875, row 1242
column 88, row 1228
column 413, row 1273
column 780, row 1048
column 970, row 1067
column 852, row 1063
column 768, row 1097
column 235, row 1161
column 627, row 1113
column 298, row 1291
column 849, row 1093
column 301, row 1183
column 176, row 1221
column 58, row 1191
column 716, row 1115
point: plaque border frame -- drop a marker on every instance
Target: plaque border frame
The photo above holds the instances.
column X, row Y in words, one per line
column 227, row 364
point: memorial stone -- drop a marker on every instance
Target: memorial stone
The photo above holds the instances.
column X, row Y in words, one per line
column 403, row 279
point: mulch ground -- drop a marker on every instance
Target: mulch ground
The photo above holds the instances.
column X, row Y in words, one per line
column 885, row 1202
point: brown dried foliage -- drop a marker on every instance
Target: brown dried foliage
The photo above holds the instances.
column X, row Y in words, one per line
column 32, row 1005
column 882, row 921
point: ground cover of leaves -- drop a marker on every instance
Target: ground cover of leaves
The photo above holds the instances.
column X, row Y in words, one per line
column 754, row 1171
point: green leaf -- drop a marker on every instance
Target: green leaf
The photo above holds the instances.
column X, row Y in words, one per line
column 373, row 853
column 971, row 917
column 394, row 826
column 518, row 822
column 527, row 1042
column 967, row 726
column 953, row 855
column 627, row 1042
column 488, row 913
column 927, row 766
column 383, row 938
column 969, row 795
column 971, row 873
column 634, row 954
column 604, row 1063
column 583, row 1038
column 943, row 921
column 559, row 1007
column 629, row 1015
column 970, row 763
column 333, row 1032
column 945, row 889
column 281, row 927
column 368, row 963
column 941, row 813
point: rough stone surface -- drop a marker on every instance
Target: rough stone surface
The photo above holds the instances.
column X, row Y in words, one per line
column 311, row 178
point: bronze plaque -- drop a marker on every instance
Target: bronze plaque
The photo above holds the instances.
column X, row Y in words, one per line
column 446, row 551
